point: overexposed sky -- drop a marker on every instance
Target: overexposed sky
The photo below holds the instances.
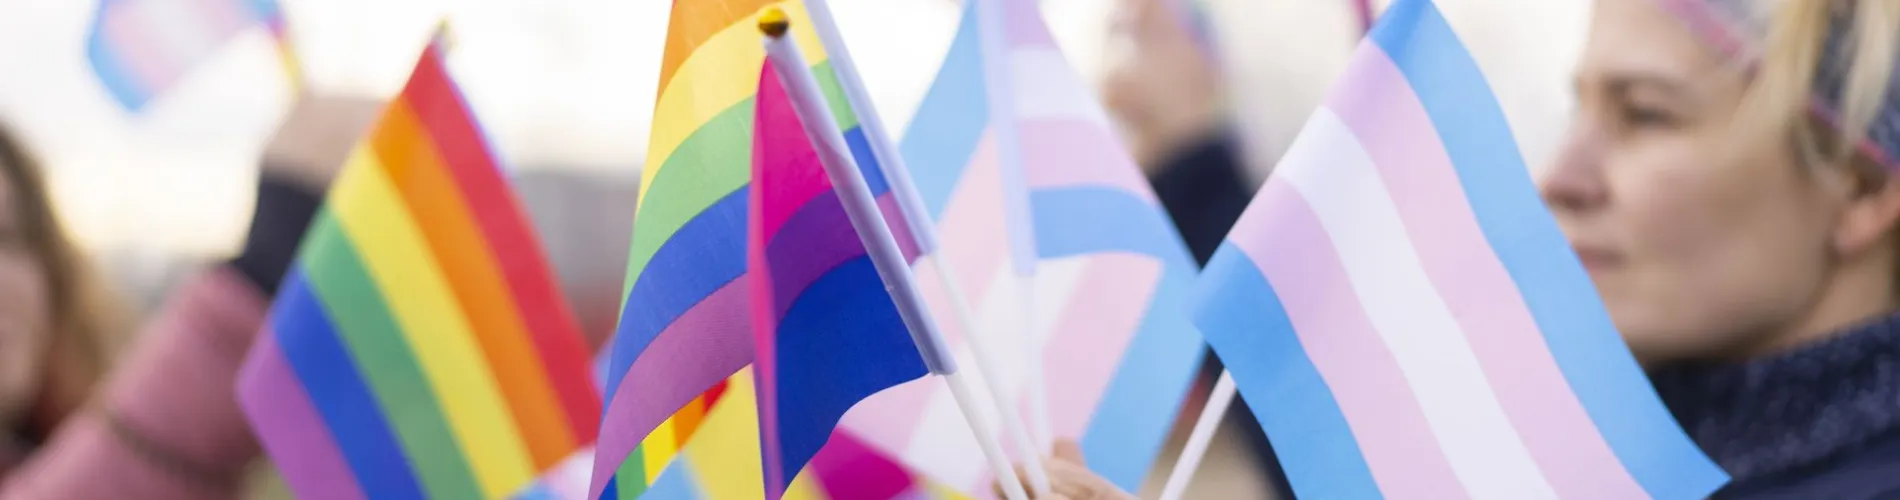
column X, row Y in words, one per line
column 570, row 84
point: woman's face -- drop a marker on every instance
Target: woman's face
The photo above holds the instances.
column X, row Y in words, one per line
column 24, row 309
column 1702, row 242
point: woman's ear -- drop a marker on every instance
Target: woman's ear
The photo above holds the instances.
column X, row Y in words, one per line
column 1872, row 210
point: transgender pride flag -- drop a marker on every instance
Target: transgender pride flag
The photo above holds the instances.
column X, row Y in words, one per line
column 139, row 48
column 1410, row 319
column 1111, row 276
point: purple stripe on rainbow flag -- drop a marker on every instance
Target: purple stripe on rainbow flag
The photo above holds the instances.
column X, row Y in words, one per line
column 310, row 461
column 1406, row 296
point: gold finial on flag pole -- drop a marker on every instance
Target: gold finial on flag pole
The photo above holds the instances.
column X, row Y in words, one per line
column 773, row 22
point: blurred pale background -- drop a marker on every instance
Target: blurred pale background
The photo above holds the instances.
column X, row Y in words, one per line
column 565, row 87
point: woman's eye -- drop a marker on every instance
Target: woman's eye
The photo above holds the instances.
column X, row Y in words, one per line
column 1647, row 117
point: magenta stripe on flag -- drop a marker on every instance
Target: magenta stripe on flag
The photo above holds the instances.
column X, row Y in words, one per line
column 705, row 345
column 1075, row 153
column 848, row 468
column 793, row 186
column 302, row 447
column 1093, row 331
column 1378, row 105
column 1304, row 268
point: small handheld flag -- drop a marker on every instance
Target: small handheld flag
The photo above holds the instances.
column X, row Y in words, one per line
column 140, row 48
column 1408, row 314
column 684, row 322
column 419, row 347
column 1120, row 350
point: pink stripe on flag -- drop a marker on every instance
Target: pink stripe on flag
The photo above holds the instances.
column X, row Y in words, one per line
column 973, row 221
column 1297, row 256
column 224, row 17
column 1077, row 153
column 711, row 341
column 1023, row 26
column 1376, row 102
column 1096, row 325
column 305, row 452
column 131, row 39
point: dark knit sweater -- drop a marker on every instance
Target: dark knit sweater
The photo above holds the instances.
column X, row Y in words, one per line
column 1819, row 422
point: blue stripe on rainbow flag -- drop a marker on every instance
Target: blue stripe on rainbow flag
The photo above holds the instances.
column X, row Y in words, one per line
column 316, row 352
column 705, row 254
column 1554, row 285
column 1304, row 420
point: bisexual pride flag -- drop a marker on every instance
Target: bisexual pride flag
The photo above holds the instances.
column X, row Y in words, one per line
column 685, row 321
column 1409, row 318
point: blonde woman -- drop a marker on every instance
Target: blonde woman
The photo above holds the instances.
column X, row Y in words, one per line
column 1729, row 182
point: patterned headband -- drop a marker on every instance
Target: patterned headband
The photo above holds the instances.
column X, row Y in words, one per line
column 1739, row 28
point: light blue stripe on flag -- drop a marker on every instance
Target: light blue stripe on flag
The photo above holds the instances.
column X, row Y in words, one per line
column 1238, row 309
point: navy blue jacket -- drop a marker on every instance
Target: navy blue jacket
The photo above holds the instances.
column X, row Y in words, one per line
column 1819, row 422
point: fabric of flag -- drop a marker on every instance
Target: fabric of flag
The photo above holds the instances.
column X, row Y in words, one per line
column 419, row 347
column 723, row 462
column 1400, row 295
column 827, row 332
column 684, row 321
column 1112, row 282
column 139, row 48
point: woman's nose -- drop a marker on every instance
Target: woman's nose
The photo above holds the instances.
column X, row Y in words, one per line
column 1574, row 181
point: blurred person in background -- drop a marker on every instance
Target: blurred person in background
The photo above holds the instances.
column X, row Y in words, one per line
column 1163, row 87
column 57, row 325
column 1729, row 183
column 164, row 424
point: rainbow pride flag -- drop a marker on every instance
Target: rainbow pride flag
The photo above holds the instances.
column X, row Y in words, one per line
column 683, row 326
column 419, row 347
column 1402, row 297
column 1112, row 275
column 140, row 48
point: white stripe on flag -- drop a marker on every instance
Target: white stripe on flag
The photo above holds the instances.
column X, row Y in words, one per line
column 1337, row 177
column 942, row 445
column 1046, row 87
column 178, row 29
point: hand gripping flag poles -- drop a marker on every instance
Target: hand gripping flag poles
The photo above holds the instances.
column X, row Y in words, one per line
column 924, row 230
column 802, row 88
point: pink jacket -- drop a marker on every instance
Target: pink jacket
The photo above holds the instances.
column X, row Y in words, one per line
column 165, row 425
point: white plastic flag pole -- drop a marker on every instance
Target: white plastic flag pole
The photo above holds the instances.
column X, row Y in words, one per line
column 1000, row 88
column 815, row 115
column 1202, row 435
column 925, row 230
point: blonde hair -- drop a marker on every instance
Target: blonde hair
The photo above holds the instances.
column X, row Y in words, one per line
column 1782, row 96
column 86, row 324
